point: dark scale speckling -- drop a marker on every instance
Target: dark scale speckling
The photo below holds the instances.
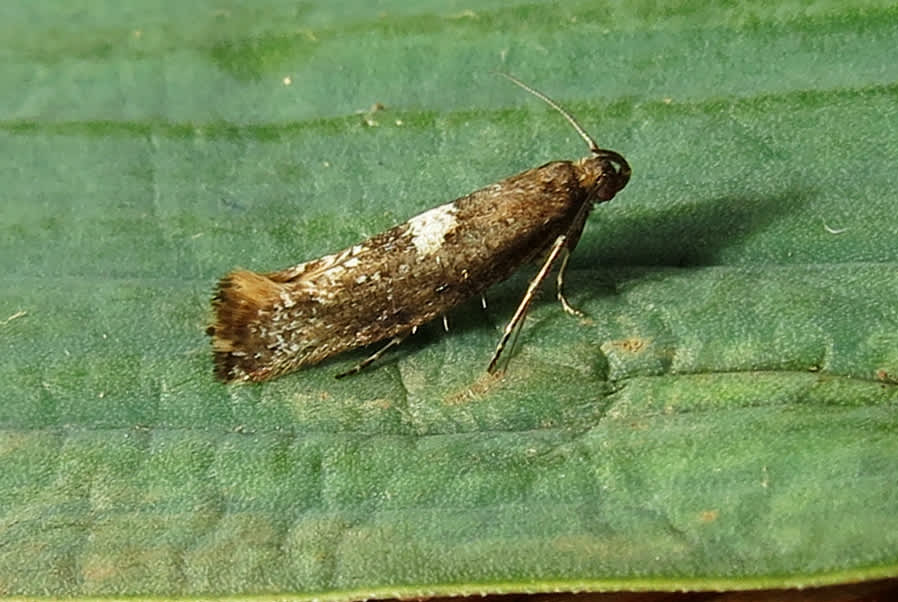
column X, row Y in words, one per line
column 387, row 286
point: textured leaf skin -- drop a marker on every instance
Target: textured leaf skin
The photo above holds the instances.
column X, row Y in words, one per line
column 725, row 418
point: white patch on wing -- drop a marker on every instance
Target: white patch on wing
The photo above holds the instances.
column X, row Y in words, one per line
column 429, row 229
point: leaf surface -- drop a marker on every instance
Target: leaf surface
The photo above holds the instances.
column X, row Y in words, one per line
column 724, row 418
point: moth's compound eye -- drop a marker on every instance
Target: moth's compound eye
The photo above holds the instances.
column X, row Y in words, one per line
column 614, row 177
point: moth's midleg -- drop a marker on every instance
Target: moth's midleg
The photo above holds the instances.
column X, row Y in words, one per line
column 518, row 318
column 566, row 254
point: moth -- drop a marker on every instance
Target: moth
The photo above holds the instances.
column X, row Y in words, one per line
column 384, row 288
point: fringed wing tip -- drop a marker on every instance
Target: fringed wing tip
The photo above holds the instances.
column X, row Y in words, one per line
column 225, row 366
column 237, row 303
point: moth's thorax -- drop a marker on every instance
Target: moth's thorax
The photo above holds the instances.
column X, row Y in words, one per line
column 602, row 175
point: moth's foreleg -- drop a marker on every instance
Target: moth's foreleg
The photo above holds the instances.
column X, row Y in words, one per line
column 372, row 358
column 518, row 318
column 566, row 254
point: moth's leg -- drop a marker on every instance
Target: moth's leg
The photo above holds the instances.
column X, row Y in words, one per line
column 566, row 254
column 518, row 318
column 371, row 359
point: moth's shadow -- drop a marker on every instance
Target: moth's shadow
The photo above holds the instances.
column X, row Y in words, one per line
column 686, row 235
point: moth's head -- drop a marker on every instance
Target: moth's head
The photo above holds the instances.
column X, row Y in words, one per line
column 604, row 174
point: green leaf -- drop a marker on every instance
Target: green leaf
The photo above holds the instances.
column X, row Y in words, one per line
column 724, row 418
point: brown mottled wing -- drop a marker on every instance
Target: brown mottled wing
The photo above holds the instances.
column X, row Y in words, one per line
column 397, row 280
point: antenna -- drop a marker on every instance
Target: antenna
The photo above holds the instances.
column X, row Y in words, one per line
column 593, row 147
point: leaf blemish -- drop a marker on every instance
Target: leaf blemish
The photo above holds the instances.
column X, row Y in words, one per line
column 708, row 516
column 632, row 345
